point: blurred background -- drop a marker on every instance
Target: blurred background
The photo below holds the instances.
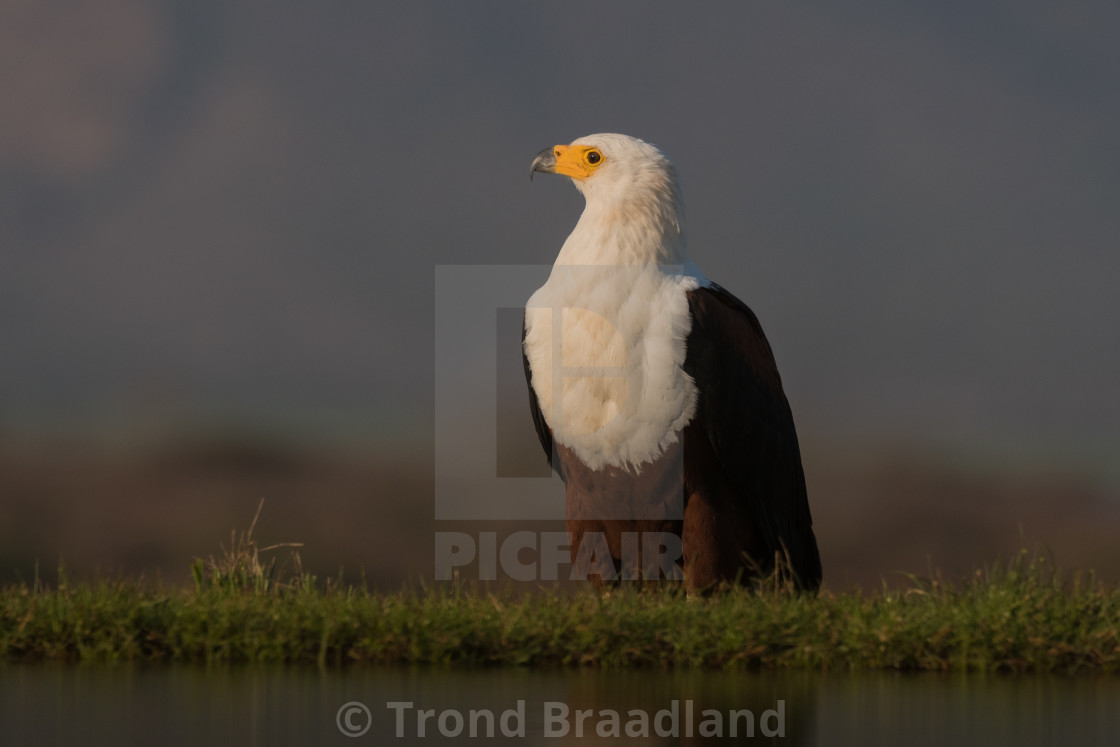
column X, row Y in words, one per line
column 220, row 225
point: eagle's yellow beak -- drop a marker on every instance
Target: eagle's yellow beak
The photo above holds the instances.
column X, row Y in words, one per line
column 578, row 162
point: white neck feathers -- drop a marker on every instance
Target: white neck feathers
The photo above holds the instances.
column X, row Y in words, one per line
column 636, row 221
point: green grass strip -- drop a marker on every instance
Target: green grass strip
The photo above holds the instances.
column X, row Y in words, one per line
column 1018, row 619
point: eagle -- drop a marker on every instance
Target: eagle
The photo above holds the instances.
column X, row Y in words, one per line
column 655, row 394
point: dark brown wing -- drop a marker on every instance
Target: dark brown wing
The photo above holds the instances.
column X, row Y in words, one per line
column 750, row 427
column 544, row 433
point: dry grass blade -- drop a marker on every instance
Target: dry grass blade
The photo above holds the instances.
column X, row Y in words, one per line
column 240, row 566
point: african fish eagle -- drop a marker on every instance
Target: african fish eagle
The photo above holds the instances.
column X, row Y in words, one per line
column 654, row 391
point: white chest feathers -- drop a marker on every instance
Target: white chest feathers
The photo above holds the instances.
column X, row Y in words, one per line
column 611, row 384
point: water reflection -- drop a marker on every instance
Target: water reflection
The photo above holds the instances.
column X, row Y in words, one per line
column 270, row 706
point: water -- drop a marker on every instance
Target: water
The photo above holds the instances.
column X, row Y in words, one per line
column 55, row 705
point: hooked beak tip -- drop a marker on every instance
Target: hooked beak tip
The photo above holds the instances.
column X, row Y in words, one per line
column 544, row 161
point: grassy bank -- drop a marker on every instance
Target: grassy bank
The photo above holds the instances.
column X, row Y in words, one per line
column 1023, row 618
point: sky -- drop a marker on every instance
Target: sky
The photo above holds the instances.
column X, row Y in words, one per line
column 237, row 211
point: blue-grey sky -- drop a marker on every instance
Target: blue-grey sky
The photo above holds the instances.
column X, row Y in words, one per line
column 236, row 210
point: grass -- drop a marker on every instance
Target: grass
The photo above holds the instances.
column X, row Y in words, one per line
column 1019, row 617
column 239, row 566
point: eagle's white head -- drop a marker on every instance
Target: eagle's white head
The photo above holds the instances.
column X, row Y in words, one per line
column 634, row 212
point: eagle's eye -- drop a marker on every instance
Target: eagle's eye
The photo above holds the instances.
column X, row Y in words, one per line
column 593, row 157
